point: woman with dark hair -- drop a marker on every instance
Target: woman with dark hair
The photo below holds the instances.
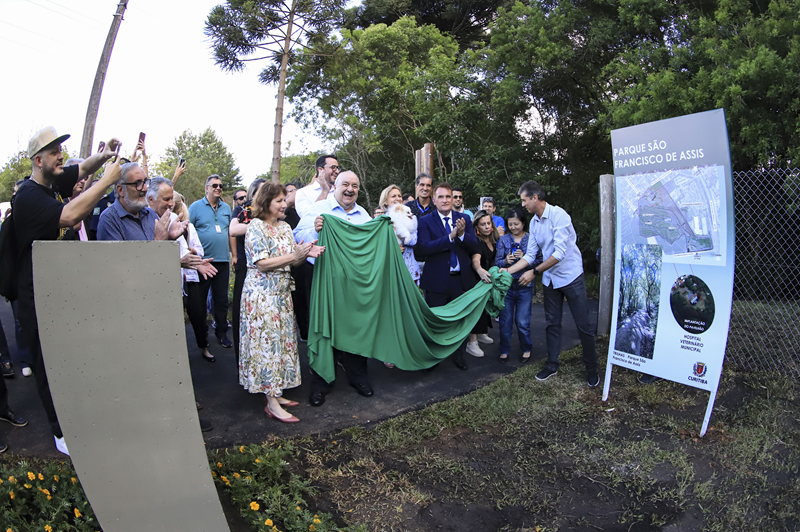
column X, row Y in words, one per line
column 482, row 260
column 240, row 217
column 268, row 361
column 510, row 248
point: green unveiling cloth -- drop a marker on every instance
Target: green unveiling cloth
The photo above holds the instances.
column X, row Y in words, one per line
column 365, row 302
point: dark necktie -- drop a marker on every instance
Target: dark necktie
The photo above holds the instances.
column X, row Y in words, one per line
column 453, row 259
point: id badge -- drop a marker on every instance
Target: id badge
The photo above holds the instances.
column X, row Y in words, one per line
column 219, row 229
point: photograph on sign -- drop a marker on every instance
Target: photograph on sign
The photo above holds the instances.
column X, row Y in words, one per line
column 639, row 292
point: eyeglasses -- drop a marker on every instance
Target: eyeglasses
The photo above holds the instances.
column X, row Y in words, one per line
column 333, row 167
column 240, row 198
column 458, row 197
column 215, row 185
column 139, row 184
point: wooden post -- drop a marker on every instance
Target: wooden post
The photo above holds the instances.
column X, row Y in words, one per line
column 608, row 240
column 427, row 159
column 99, row 80
column 417, row 163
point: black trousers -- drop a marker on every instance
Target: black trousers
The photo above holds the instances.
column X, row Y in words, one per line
column 196, row 310
column 452, row 290
column 238, row 284
column 355, row 367
column 219, row 296
column 301, row 297
column 30, row 328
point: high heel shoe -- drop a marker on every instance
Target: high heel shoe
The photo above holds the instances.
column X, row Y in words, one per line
column 209, row 358
column 287, row 403
column 290, row 419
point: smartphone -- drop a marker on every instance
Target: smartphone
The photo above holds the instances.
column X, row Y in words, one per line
column 141, row 137
column 101, row 146
column 515, row 247
column 116, row 153
column 183, row 162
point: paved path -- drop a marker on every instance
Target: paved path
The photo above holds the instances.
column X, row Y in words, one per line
column 239, row 418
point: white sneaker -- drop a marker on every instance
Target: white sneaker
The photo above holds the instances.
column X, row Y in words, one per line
column 485, row 339
column 26, row 372
column 474, row 350
column 61, row 445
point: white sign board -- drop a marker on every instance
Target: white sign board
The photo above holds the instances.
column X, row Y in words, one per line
column 674, row 250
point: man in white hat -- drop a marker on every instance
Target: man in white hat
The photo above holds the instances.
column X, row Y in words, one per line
column 39, row 214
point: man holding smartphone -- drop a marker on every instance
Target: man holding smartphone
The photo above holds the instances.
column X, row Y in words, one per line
column 320, row 187
column 39, row 214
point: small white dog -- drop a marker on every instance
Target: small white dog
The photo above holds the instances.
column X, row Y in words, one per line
column 405, row 223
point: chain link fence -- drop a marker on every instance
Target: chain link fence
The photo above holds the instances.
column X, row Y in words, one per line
column 765, row 321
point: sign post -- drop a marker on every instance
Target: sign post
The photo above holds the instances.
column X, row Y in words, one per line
column 674, row 254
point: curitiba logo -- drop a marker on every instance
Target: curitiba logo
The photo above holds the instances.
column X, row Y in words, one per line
column 700, row 369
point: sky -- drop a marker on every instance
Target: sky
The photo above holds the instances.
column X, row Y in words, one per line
column 161, row 80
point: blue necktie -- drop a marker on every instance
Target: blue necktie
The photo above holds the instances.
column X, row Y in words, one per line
column 453, row 259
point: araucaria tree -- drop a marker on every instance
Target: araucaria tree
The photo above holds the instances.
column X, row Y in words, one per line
column 252, row 30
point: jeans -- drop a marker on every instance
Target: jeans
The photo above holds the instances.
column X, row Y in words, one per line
column 575, row 293
column 518, row 302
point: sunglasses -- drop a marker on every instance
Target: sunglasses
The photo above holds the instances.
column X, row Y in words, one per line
column 240, row 198
column 458, row 197
column 215, row 185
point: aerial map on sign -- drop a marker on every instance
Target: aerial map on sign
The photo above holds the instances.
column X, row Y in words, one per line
column 677, row 209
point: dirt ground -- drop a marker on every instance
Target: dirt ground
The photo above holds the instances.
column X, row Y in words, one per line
column 523, row 455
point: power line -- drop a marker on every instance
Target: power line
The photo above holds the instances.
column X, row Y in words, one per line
column 35, row 33
column 66, row 16
column 76, row 12
column 25, row 45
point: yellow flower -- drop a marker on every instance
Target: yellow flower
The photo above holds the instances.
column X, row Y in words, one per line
column 9, row 530
column 11, row 494
column 317, row 521
column 298, row 508
column 77, row 513
column 214, row 474
column 237, row 475
column 48, row 528
column 46, row 492
column 12, row 479
column 74, row 480
column 258, row 460
column 225, row 480
column 254, row 506
column 219, row 465
column 311, row 528
column 41, row 477
column 49, row 498
column 55, row 477
column 241, row 449
column 268, row 522
column 27, row 486
column 31, row 476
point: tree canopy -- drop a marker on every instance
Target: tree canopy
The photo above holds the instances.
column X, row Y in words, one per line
column 205, row 155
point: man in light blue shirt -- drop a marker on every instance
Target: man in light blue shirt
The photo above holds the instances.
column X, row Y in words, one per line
column 211, row 218
column 341, row 204
column 551, row 231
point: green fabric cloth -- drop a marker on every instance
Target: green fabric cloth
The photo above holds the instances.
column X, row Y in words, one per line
column 365, row 302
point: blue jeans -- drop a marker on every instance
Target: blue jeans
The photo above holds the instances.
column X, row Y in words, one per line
column 518, row 301
column 575, row 294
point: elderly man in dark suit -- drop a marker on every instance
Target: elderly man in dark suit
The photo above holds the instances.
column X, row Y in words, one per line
column 445, row 242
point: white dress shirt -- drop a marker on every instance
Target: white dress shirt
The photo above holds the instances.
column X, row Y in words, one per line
column 554, row 235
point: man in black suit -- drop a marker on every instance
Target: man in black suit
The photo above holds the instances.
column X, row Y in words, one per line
column 445, row 242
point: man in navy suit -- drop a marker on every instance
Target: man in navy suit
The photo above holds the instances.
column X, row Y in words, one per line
column 445, row 242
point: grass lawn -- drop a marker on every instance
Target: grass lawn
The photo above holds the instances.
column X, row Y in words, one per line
column 523, row 455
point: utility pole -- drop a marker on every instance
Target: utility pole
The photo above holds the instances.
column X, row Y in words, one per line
column 99, row 80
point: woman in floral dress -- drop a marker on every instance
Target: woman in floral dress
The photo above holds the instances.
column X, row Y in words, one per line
column 268, row 360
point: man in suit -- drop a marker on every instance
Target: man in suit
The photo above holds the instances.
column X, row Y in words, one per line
column 445, row 242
